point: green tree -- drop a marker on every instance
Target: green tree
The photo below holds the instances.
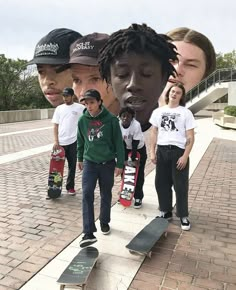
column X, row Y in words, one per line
column 226, row 60
column 19, row 88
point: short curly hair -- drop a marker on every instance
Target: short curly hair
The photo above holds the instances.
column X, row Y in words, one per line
column 140, row 39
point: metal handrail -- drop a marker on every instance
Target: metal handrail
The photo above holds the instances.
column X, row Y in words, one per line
column 218, row 76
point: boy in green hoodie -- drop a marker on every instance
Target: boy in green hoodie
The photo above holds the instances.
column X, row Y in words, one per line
column 100, row 156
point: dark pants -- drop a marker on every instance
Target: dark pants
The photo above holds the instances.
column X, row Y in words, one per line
column 93, row 172
column 141, row 176
column 71, row 156
column 167, row 175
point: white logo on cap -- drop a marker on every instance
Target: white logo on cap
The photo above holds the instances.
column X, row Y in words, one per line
column 46, row 49
column 83, row 46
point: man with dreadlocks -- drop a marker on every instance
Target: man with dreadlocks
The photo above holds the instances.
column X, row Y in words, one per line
column 136, row 61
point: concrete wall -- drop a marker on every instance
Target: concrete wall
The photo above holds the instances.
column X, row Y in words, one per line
column 223, row 120
column 25, row 115
column 232, row 94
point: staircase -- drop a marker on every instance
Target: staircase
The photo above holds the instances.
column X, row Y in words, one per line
column 210, row 89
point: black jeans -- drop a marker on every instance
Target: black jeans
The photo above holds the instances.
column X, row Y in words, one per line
column 167, row 175
column 93, row 172
column 138, row 194
column 71, row 156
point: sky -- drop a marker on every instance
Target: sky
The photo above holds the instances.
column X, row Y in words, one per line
column 24, row 22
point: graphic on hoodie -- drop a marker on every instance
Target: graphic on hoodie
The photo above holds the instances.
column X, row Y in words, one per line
column 94, row 130
column 168, row 122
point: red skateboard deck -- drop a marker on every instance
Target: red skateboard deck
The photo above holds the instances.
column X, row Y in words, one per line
column 56, row 171
column 129, row 179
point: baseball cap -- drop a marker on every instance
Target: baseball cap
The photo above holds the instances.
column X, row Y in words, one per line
column 86, row 49
column 68, row 92
column 91, row 94
column 54, row 47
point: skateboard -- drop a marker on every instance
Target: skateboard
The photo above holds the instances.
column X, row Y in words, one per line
column 129, row 179
column 143, row 242
column 77, row 272
column 56, row 170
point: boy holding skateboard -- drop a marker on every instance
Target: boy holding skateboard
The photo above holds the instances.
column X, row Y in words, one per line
column 65, row 121
column 134, row 142
column 100, row 156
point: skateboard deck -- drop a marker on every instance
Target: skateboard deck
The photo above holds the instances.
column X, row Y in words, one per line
column 143, row 242
column 56, row 170
column 77, row 272
column 129, row 179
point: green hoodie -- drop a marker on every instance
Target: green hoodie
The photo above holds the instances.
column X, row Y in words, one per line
column 99, row 138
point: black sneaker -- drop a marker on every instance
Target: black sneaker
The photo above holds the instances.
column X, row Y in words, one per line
column 118, row 201
column 137, row 203
column 105, row 228
column 165, row 215
column 87, row 240
column 185, row 224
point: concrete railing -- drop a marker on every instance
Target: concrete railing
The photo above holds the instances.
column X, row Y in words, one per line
column 25, row 115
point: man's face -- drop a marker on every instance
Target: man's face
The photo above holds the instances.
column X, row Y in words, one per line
column 191, row 65
column 137, row 82
column 93, row 106
column 68, row 100
column 88, row 77
column 53, row 83
column 175, row 95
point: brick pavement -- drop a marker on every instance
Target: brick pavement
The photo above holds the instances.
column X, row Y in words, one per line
column 34, row 230
column 205, row 257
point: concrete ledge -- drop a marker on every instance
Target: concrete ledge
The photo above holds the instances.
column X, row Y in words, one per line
column 25, row 115
column 223, row 120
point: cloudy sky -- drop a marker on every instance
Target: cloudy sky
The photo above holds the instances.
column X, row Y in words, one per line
column 24, row 22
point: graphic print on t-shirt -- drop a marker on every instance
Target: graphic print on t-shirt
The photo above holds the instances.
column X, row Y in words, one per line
column 168, row 121
column 94, row 130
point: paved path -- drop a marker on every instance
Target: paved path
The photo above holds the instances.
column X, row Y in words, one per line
column 33, row 230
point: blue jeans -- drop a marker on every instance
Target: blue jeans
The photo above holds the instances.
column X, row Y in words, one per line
column 93, row 172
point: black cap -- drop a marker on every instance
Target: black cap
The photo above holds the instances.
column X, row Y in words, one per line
column 91, row 94
column 68, row 92
column 86, row 49
column 54, row 48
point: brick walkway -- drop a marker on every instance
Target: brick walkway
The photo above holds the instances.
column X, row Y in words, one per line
column 33, row 230
column 205, row 257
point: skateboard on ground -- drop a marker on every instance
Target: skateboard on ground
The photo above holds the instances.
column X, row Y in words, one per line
column 77, row 272
column 129, row 179
column 143, row 242
column 56, row 170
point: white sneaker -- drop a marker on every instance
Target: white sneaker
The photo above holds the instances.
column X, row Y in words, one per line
column 185, row 224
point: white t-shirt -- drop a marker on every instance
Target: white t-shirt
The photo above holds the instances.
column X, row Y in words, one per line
column 133, row 132
column 67, row 116
column 172, row 124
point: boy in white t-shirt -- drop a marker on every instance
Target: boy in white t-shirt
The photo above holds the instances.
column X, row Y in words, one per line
column 173, row 133
column 134, row 141
column 65, row 119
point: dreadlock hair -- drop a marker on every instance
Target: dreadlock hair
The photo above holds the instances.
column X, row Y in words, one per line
column 140, row 39
column 127, row 110
column 182, row 100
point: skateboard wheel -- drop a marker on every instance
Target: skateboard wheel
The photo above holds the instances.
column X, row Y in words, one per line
column 149, row 254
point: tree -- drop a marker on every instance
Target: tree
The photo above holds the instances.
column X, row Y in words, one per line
column 227, row 60
column 19, row 88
